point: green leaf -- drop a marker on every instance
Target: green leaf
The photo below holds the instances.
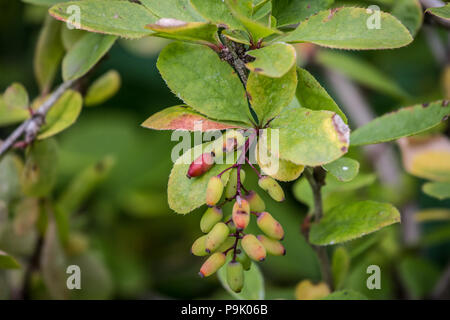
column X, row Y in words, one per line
column 53, row 263
column 115, row 17
column 272, row 61
column 7, row 261
column 16, row 96
column 203, row 81
column 238, row 36
column 278, row 169
column 10, row 171
column 71, row 36
column 346, row 28
column 350, row 221
column 345, row 295
column 418, row 275
column 85, row 54
column 332, row 188
column 97, row 282
column 441, row 12
column 176, row 9
column 84, row 184
column 62, row 115
column 340, row 265
column 48, row 54
column 199, row 32
column 268, row 96
column 409, row 12
column 46, row 3
column 344, row 169
column 103, row 88
column 312, row 95
column 11, row 115
column 310, row 137
column 362, row 72
column 184, row 118
column 290, row 12
column 186, row 194
column 40, row 170
column 253, row 283
column 244, row 14
column 401, row 123
column 440, row 190
column 217, row 12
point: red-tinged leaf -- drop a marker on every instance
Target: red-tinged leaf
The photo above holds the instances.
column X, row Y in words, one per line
column 184, row 118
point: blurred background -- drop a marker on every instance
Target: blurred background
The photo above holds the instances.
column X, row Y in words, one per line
column 130, row 245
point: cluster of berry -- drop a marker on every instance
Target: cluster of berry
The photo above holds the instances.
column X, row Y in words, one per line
column 226, row 237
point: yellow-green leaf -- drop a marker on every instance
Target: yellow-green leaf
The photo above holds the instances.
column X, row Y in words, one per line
column 348, row 28
column 103, row 88
column 16, row 96
column 401, row 123
column 243, row 13
column 409, row 12
column 48, row 55
column 184, row 118
column 440, row 190
column 290, row 12
column 441, row 12
column 312, row 95
column 310, row 137
column 279, row 169
column 115, row 17
column 186, row 194
column 7, row 261
column 272, row 61
column 62, row 115
column 350, row 221
column 176, row 9
column 344, row 169
column 217, row 12
column 85, row 54
column 340, row 265
column 40, row 170
column 11, row 115
column 201, row 32
column 268, row 96
column 203, row 81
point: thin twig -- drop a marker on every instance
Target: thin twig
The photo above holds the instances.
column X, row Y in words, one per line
column 316, row 179
column 30, row 128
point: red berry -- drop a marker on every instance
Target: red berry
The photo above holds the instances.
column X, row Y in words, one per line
column 201, row 165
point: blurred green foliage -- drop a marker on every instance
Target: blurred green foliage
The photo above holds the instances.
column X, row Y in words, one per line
column 123, row 235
